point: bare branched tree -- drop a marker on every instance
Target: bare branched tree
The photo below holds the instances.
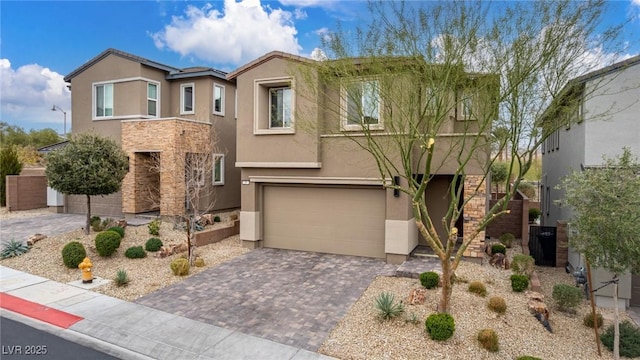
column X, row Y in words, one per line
column 422, row 87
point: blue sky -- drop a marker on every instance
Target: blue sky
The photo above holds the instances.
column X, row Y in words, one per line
column 42, row 41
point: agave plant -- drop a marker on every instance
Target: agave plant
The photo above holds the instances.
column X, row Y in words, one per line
column 121, row 278
column 13, row 248
column 387, row 307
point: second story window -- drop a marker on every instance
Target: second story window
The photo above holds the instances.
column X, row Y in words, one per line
column 465, row 109
column 103, row 100
column 218, row 169
column 152, row 99
column 361, row 105
column 218, row 99
column 187, row 99
column 280, row 107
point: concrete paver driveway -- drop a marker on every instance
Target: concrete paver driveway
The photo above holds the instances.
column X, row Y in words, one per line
column 291, row 297
column 50, row 225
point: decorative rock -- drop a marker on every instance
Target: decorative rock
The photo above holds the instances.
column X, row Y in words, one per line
column 122, row 223
column 170, row 250
column 500, row 261
column 207, row 219
column 417, row 296
column 35, row 238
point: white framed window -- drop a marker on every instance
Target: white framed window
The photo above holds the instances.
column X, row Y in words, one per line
column 103, row 101
column 361, row 105
column 280, row 108
column 218, row 169
column 432, row 99
column 194, row 167
column 466, row 106
column 235, row 103
column 187, row 99
column 152, row 99
column 218, row 99
column 274, row 106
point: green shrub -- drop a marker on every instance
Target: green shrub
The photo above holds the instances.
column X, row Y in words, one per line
column 10, row 164
column 154, row 227
column 387, row 307
column 519, row 283
column 121, row 278
column 135, row 252
column 440, row 326
column 216, row 219
column 567, row 297
column 527, row 357
column 107, row 242
column 72, row 254
column 497, row 304
column 488, row 339
column 95, row 220
column 523, row 264
column 429, row 279
column 534, row 214
column 180, row 267
column 498, row 248
column 13, row 248
column 477, row 287
column 118, row 229
column 587, row 320
column 507, row 240
column 153, row 244
column 629, row 339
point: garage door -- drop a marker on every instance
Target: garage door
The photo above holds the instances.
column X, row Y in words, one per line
column 348, row 221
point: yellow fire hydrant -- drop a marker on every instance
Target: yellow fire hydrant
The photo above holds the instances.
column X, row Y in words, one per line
column 85, row 266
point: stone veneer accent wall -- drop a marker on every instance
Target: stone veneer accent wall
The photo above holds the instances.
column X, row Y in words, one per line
column 172, row 139
column 474, row 211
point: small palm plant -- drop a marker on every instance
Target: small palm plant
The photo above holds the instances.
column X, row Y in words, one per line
column 387, row 307
column 13, row 248
column 122, row 278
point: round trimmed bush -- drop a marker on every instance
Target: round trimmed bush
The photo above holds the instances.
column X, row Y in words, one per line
column 135, row 252
column 488, row 339
column 429, row 279
column 507, row 239
column 199, row 262
column 567, row 297
column 587, row 320
column 72, row 254
column 519, row 283
column 118, row 229
column 523, row 264
column 498, row 248
column 477, row 287
column 180, row 267
column 153, row 244
column 440, row 326
column 107, row 242
column 497, row 304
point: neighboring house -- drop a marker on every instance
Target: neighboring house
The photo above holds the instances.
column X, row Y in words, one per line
column 307, row 186
column 156, row 111
column 601, row 112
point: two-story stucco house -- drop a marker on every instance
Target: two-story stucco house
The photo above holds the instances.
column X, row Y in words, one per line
column 159, row 114
column 601, row 112
column 307, row 185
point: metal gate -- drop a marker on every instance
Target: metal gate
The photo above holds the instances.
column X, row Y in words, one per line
column 542, row 245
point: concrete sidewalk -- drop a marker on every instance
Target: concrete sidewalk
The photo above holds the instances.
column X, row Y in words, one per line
column 131, row 331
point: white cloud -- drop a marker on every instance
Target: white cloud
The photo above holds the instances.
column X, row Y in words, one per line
column 241, row 32
column 636, row 2
column 318, row 55
column 306, row 3
column 29, row 92
column 299, row 14
column 324, row 33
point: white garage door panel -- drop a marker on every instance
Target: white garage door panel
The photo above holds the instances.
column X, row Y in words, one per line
column 347, row 221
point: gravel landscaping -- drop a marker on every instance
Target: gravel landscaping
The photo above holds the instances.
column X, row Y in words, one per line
column 147, row 275
column 361, row 335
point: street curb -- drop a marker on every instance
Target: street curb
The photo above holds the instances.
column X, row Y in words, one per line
column 76, row 337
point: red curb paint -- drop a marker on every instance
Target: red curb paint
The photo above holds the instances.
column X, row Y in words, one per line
column 38, row 311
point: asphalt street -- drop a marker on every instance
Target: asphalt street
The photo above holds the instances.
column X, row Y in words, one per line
column 20, row 341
